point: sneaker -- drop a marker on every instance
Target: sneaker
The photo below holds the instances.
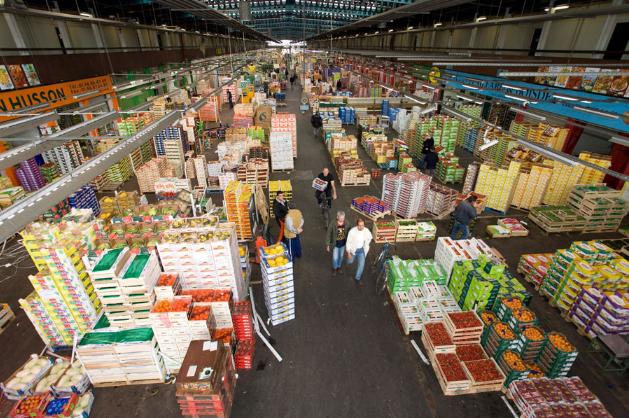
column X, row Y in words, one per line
column 334, row 272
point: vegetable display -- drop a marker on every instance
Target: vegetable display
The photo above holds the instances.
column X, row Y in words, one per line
column 470, row 352
column 483, row 370
column 451, row 367
column 462, row 320
column 438, row 334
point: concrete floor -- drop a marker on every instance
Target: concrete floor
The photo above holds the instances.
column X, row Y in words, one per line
column 343, row 355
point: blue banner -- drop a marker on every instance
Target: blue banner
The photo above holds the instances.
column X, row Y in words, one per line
column 565, row 108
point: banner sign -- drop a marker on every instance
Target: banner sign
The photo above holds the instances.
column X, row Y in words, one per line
column 54, row 94
column 535, row 97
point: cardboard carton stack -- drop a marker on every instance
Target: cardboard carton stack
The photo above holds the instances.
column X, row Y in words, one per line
column 277, row 278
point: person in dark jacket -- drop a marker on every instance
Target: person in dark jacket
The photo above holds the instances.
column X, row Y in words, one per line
column 229, row 98
column 279, row 208
column 432, row 158
column 339, row 85
column 317, row 123
column 464, row 214
column 335, row 239
column 429, row 143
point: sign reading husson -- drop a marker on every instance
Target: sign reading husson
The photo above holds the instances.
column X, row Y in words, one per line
column 54, row 94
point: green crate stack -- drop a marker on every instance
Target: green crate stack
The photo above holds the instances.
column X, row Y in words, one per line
column 510, row 286
column 404, row 274
column 516, row 322
column 554, row 362
column 120, row 172
column 145, row 149
column 531, row 349
column 403, row 160
column 449, row 131
column 510, row 373
column 475, row 284
column 256, row 134
column 497, row 342
column 49, row 171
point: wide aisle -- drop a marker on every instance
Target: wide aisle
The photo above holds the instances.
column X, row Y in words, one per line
column 344, row 355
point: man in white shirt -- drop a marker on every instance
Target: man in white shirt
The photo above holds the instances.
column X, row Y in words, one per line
column 357, row 247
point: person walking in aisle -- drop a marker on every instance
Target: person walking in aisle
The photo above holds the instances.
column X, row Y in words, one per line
column 357, row 247
column 279, row 208
column 292, row 229
column 464, row 214
column 432, row 158
column 330, row 190
column 229, row 98
column 429, row 143
column 317, row 123
column 292, row 81
column 339, row 85
column 335, row 238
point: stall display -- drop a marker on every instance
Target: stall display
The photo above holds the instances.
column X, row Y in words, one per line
column 66, row 157
column 351, row 171
column 370, row 206
column 591, row 175
column 255, row 171
column 557, row 219
column 448, row 251
column 238, row 200
column 277, row 278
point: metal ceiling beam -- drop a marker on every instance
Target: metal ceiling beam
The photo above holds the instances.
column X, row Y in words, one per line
column 25, row 123
column 26, row 151
column 17, row 216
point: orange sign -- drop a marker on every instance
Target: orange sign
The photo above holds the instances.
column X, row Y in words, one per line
column 54, row 94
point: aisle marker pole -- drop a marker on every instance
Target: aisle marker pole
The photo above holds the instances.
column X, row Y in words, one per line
column 257, row 320
column 515, row 414
column 268, row 344
column 421, row 354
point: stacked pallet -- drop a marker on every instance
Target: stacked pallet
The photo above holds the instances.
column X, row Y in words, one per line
column 120, row 172
column 531, row 186
column 441, row 200
column 124, row 284
column 563, row 178
column 238, row 196
column 29, row 175
column 200, row 169
column 601, row 206
column 277, row 278
column 67, row 157
column 591, row 175
column 254, row 171
column 557, row 219
column 119, row 358
column 6, row 316
column 149, row 173
column 286, row 122
column 206, row 383
column 275, row 187
column 281, row 151
column 351, row 172
column 85, row 198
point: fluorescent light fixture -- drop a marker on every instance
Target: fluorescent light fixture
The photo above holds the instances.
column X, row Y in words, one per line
column 516, row 97
column 438, row 24
column 488, row 145
column 620, row 141
column 390, row 30
column 481, row 18
column 524, row 112
column 562, row 7
column 409, row 28
column 469, row 99
column 557, row 96
column 415, row 100
column 85, row 14
column 467, row 86
column 131, row 94
column 456, row 114
column 377, row 32
column 86, row 94
column 597, row 112
column 513, row 87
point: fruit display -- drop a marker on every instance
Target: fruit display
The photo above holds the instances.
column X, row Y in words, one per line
column 562, row 397
column 470, row 352
column 463, row 327
column 451, row 367
column 422, row 304
column 438, row 335
column 277, row 277
column 482, row 371
column 238, row 197
column 370, row 204
column 30, row 406
column 26, row 377
column 404, row 274
column 406, row 193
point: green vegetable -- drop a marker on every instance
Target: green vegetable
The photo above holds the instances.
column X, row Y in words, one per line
column 119, row 245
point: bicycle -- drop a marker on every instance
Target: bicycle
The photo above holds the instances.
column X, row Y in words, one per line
column 325, row 210
column 381, row 263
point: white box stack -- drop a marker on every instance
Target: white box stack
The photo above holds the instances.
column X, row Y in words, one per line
column 200, row 170
column 448, row 251
column 281, row 151
column 277, row 278
column 422, row 304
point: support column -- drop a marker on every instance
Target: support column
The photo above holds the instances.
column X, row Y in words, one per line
column 606, row 33
column 140, row 40
column 14, row 28
column 98, row 36
column 473, row 38
column 450, row 36
column 433, row 34
column 123, row 41
column 63, row 31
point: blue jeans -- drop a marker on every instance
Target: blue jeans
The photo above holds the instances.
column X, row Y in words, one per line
column 337, row 257
column 360, row 255
column 422, row 162
column 465, row 229
column 294, row 247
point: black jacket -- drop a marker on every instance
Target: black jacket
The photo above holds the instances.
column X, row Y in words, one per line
column 432, row 158
column 428, row 144
column 316, row 121
column 279, row 210
column 465, row 213
column 229, row 95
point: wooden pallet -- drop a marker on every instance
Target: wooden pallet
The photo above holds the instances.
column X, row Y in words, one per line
column 374, row 216
column 432, row 350
column 6, row 317
column 128, row 383
column 283, row 170
column 448, row 181
column 449, row 388
column 488, row 386
column 425, row 239
column 441, row 216
column 354, row 184
column 111, row 186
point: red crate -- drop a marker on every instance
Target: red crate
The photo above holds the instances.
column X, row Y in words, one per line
column 376, row 173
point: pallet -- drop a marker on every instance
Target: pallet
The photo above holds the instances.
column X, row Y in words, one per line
column 128, row 383
column 488, row 386
column 111, row 186
column 519, row 208
column 449, row 181
column 354, row 184
column 449, row 388
column 374, row 216
column 499, row 212
column 425, row 239
column 282, row 170
column 6, row 317
column 593, row 230
column 441, row 216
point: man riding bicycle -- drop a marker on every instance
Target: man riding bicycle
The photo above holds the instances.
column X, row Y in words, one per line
column 330, row 190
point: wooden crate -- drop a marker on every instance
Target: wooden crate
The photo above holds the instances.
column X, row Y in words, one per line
column 487, row 386
column 405, row 233
column 432, row 350
column 380, row 236
column 6, row 316
column 461, row 387
column 463, row 336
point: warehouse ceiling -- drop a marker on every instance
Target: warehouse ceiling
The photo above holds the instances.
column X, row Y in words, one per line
column 301, row 19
